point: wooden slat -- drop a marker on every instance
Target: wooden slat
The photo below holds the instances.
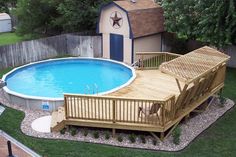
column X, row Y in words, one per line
column 195, row 64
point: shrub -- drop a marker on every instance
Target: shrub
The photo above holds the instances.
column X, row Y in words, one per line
column 73, row 131
column 176, row 135
column 143, row 139
column 132, row 138
column 222, row 101
column 63, row 131
column 120, row 138
column 107, row 135
column 85, row 132
column 96, row 134
column 154, row 142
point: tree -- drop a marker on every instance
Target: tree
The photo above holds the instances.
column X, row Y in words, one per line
column 212, row 21
column 56, row 16
column 217, row 21
column 180, row 17
column 3, row 7
column 5, row 4
column 77, row 16
column 35, row 17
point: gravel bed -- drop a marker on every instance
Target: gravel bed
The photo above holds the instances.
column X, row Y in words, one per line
column 189, row 129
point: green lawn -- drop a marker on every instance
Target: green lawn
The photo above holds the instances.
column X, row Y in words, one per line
column 217, row 141
column 4, row 71
column 9, row 38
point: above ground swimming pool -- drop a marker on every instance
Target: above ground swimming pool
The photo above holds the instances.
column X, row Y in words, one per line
column 51, row 78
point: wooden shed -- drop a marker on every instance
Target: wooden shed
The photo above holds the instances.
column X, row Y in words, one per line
column 128, row 27
column 5, row 23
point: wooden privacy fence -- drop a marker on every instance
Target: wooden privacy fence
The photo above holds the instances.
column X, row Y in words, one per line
column 152, row 60
column 35, row 50
column 119, row 110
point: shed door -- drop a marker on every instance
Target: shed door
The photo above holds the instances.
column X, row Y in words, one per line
column 116, row 47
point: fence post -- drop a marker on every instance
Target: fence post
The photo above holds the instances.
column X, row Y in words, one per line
column 9, row 149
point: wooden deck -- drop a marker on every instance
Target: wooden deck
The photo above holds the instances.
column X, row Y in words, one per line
column 150, row 84
column 157, row 100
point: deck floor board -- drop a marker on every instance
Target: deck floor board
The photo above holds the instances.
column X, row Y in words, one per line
column 150, row 84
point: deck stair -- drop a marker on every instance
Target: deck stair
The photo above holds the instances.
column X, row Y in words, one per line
column 58, row 118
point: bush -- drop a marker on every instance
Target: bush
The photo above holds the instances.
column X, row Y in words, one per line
column 73, row 131
column 107, row 135
column 85, row 132
column 120, row 138
column 154, row 142
column 63, row 131
column 222, row 101
column 96, row 134
column 143, row 139
column 176, row 135
column 132, row 138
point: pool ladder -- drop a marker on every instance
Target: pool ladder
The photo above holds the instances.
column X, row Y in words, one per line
column 93, row 90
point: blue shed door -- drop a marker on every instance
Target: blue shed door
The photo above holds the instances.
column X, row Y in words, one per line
column 116, row 47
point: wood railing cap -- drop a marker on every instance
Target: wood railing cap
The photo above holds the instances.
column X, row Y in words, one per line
column 119, row 98
column 154, row 53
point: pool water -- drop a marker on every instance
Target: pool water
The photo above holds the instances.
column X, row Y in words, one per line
column 78, row 76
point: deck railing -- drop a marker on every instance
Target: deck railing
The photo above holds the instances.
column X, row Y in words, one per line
column 152, row 60
column 122, row 110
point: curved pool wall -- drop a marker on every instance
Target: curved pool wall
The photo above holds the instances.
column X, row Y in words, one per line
column 50, row 104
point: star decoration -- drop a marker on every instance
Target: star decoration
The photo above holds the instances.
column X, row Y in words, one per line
column 116, row 20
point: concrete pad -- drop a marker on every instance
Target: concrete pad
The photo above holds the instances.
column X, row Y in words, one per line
column 42, row 124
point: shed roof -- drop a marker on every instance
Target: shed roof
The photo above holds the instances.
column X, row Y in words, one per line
column 138, row 5
column 195, row 64
column 4, row 16
column 145, row 16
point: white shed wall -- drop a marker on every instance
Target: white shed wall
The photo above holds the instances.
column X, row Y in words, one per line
column 5, row 25
column 150, row 43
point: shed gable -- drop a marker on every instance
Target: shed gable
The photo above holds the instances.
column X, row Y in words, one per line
column 4, row 16
column 106, row 23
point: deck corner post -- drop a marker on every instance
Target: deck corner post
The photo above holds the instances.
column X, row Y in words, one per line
column 65, row 104
column 162, row 136
column 113, row 132
column 221, row 92
column 186, row 117
column 163, row 115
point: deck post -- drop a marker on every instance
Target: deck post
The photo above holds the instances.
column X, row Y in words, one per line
column 186, row 117
column 162, row 136
column 162, row 115
column 221, row 92
column 65, row 104
column 113, row 133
